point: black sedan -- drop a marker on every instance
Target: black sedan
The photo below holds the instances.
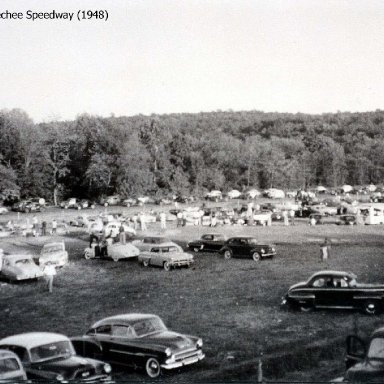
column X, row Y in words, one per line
column 247, row 246
column 335, row 289
column 139, row 341
column 212, row 242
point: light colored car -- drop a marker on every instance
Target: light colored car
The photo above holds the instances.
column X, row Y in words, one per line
column 165, row 256
column 116, row 252
column 11, row 368
column 252, row 193
column 111, row 200
column 149, row 241
column 113, row 228
column 51, row 357
column 5, row 232
column 324, row 209
column 20, row 267
column 54, row 253
column 3, row 210
column 234, row 194
column 80, row 221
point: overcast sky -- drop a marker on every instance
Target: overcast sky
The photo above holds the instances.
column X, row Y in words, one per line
column 160, row 56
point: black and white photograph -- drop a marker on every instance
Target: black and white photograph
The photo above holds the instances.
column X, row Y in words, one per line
column 191, row 191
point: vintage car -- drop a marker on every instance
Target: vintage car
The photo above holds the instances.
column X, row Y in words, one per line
column 318, row 217
column 80, row 221
column 51, row 356
column 214, row 196
column 11, row 369
column 166, row 256
column 112, row 229
column 209, row 242
column 335, row 289
column 110, row 200
column 5, row 232
column 347, row 220
column 324, row 210
column 53, row 253
column 19, row 267
column 76, row 204
column 246, row 246
column 148, row 242
column 27, row 206
column 364, row 359
column 3, row 210
column 139, row 341
column 116, row 252
column 234, row 194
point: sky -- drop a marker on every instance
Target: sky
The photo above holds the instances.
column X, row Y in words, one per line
column 163, row 56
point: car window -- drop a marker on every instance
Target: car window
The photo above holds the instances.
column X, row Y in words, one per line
column 339, row 282
column 9, row 365
column 103, row 330
column 164, row 249
column 122, row 331
column 147, row 241
column 208, row 237
column 156, row 250
column 320, row 282
column 21, row 352
column 376, row 348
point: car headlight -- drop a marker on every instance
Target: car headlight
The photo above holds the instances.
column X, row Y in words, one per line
column 168, row 352
column 262, row 250
column 272, row 249
column 199, row 343
column 60, row 377
column 107, row 368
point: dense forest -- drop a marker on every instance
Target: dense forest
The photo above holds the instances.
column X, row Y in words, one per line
column 187, row 153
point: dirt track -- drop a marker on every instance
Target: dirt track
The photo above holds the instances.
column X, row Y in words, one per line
column 234, row 305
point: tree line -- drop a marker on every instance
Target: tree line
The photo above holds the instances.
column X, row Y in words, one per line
column 187, row 153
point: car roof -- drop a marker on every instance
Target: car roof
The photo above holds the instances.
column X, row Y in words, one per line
column 53, row 244
column 243, row 237
column 378, row 332
column 212, row 234
column 17, row 257
column 33, row 339
column 127, row 318
column 333, row 273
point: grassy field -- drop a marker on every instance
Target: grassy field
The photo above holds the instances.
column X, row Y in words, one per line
column 234, row 305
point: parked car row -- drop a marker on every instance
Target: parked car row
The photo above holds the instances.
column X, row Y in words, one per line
column 135, row 340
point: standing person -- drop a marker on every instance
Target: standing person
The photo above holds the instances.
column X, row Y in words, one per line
column 104, row 247
column 134, row 219
column 49, row 272
column 179, row 219
column 122, row 236
column 44, row 228
column 163, row 220
column 285, row 216
column 35, row 223
column 54, row 227
column 292, row 215
column 142, row 222
column 1, row 258
column 325, row 250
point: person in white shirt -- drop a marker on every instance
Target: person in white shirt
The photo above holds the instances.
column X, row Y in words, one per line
column 49, row 272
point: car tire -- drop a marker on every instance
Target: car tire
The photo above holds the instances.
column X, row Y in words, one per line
column 306, row 307
column 146, row 263
column 115, row 259
column 370, row 308
column 256, row 256
column 227, row 254
column 167, row 266
column 152, row 368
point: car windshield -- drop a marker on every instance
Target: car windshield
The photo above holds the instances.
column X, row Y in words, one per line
column 376, row 349
column 23, row 262
column 8, row 365
column 252, row 241
column 52, row 351
column 147, row 326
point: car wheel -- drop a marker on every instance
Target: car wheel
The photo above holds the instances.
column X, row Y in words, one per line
column 152, row 367
column 146, row 263
column 256, row 256
column 306, row 307
column 227, row 254
column 87, row 254
column 370, row 308
column 93, row 206
column 115, row 259
column 167, row 266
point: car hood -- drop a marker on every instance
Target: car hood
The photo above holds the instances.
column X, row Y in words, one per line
column 367, row 371
column 29, row 270
column 301, row 284
column 66, row 366
column 53, row 255
column 178, row 256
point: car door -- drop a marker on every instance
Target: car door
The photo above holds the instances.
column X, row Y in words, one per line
column 155, row 256
column 103, row 335
column 236, row 245
column 332, row 293
column 207, row 241
column 121, row 350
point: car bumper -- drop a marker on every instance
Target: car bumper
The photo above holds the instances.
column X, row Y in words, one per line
column 181, row 263
column 186, row 361
column 269, row 254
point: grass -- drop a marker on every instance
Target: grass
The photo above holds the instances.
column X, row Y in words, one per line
column 234, row 305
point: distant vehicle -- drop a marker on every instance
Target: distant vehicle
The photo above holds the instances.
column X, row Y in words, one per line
column 163, row 201
column 214, row 196
column 210, row 242
column 148, row 242
column 112, row 229
column 347, row 220
column 111, row 200
column 3, row 210
column 130, row 202
column 139, row 341
column 364, row 359
column 116, row 252
column 318, row 217
column 252, row 193
column 19, row 267
column 54, row 253
column 27, row 206
column 5, row 232
column 80, row 221
column 274, row 193
column 11, row 369
column 335, row 289
column 234, row 194
column 324, row 210
column 166, row 257
column 51, row 356
column 246, row 246
column 71, row 203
